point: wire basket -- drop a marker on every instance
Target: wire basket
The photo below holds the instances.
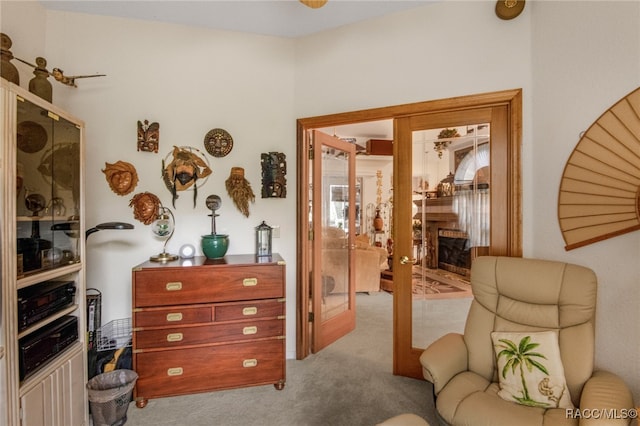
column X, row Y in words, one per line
column 114, row 335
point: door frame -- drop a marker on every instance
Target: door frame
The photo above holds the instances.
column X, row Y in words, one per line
column 511, row 99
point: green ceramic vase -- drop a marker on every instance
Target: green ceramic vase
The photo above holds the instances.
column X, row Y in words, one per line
column 215, row 246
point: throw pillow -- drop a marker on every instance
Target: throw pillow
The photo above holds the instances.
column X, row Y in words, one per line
column 530, row 369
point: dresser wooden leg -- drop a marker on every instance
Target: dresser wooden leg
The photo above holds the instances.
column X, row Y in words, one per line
column 141, row 403
column 279, row 385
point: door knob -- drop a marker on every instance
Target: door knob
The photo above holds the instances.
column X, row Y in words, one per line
column 405, row 259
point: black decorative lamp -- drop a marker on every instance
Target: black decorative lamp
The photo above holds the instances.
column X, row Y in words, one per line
column 263, row 239
column 107, row 225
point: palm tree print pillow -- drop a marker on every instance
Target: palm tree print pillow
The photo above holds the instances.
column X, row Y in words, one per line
column 530, row 369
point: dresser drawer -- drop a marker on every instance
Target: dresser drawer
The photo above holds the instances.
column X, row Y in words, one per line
column 210, row 333
column 176, row 287
column 249, row 310
column 172, row 316
column 177, row 372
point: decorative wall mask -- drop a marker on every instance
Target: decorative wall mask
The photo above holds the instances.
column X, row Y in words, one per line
column 239, row 190
column 187, row 166
column 218, row 142
column 148, row 136
column 600, row 189
column 32, row 137
column 145, row 207
column 121, row 176
column 274, row 169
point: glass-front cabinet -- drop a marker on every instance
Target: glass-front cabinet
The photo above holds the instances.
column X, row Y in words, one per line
column 47, row 189
column 42, row 263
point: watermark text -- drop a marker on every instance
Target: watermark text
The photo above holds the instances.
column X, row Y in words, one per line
column 601, row 413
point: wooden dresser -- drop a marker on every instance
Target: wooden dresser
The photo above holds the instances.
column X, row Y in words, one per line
column 208, row 324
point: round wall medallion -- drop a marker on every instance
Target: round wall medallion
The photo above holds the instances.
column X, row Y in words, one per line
column 32, row 137
column 218, row 142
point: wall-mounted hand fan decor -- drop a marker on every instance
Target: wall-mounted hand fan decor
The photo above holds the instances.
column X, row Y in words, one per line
column 600, row 189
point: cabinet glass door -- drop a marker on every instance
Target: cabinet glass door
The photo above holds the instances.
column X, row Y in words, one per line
column 48, row 190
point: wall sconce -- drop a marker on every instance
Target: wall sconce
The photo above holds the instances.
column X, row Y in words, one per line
column 263, row 239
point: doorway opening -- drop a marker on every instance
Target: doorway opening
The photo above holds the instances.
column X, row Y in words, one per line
column 502, row 110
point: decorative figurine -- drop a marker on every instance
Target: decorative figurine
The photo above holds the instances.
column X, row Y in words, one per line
column 121, row 176
column 58, row 74
column 184, row 170
column 148, row 136
column 239, row 190
column 214, row 245
column 39, row 85
column 8, row 71
column 274, row 169
column 218, row 142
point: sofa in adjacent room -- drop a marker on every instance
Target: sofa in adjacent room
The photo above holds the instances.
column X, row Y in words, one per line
column 369, row 261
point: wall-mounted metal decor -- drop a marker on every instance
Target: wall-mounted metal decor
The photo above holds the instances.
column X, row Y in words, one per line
column 121, row 176
column 274, row 169
column 185, row 168
column 239, row 189
column 600, row 189
column 218, row 142
column 148, row 136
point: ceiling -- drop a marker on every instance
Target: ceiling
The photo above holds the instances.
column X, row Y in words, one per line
column 282, row 18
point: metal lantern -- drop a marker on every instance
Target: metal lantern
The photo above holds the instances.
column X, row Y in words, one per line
column 263, row 239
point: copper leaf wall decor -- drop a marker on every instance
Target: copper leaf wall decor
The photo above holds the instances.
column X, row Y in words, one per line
column 600, row 189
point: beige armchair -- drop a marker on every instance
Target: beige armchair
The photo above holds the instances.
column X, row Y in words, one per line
column 524, row 295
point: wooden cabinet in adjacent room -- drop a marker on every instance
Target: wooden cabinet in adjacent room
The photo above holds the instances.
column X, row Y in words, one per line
column 208, row 324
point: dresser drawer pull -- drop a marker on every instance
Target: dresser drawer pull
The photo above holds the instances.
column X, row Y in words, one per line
column 250, row 282
column 176, row 371
column 251, row 310
column 248, row 363
column 250, row 330
column 174, row 337
column 174, row 286
column 174, row 316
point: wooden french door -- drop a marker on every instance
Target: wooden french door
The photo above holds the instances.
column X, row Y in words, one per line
column 505, row 215
column 332, row 220
column 406, row 359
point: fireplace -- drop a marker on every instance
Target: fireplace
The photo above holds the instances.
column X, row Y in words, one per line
column 454, row 252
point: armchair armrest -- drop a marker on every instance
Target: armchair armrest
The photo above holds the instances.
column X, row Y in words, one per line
column 605, row 391
column 443, row 359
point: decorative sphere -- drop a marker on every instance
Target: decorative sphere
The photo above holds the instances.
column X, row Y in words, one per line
column 162, row 226
column 215, row 246
column 187, row 251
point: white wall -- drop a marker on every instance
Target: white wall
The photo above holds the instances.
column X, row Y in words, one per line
column 586, row 58
column 190, row 81
column 573, row 60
